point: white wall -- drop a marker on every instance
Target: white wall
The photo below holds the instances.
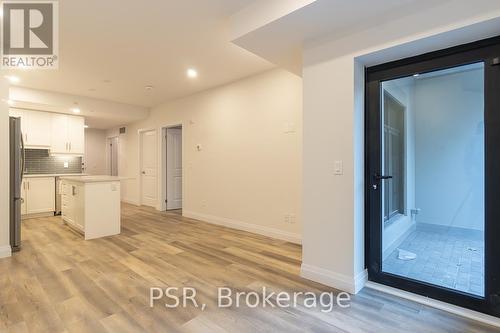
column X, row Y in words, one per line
column 95, row 152
column 450, row 149
column 333, row 241
column 5, row 249
column 248, row 174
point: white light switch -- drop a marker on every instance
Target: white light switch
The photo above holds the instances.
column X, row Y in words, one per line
column 66, row 165
column 289, row 128
column 338, row 168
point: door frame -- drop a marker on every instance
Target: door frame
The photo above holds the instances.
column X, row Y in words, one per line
column 109, row 140
column 139, row 164
column 480, row 51
column 163, row 165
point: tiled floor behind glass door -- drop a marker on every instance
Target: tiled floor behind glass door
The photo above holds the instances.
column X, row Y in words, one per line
column 448, row 257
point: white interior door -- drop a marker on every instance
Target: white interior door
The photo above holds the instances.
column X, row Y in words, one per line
column 174, row 168
column 149, row 166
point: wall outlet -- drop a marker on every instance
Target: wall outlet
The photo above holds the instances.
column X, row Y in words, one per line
column 289, row 219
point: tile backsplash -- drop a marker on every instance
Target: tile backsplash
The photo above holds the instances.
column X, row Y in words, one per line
column 39, row 161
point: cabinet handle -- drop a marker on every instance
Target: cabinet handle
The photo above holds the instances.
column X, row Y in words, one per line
column 28, row 185
column 70, row 146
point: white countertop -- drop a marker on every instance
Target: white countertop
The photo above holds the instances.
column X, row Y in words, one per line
column 54, row 175
column 92, row 179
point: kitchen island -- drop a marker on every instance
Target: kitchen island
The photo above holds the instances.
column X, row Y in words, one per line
column 91, row 205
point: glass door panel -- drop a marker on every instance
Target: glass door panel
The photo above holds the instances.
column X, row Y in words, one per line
column 432, row 175
column 433, row 199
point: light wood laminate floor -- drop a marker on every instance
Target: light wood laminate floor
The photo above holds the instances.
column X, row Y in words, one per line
column 61, row 283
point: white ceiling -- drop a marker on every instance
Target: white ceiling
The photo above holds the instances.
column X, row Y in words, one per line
column 112, row 49
column 311, row 21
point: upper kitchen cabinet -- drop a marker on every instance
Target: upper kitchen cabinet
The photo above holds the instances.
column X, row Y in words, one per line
column 76, row 135
column 59, row 133
column 68, row 135
column 35, row 127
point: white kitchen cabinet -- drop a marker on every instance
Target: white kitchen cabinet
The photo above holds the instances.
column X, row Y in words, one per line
column 59, row 134
column 91, row 205
column 72, row 205
column 76, row 135
column 62, row 134
column 38, row 132
column 24, row 209
column 36, row 127
column 68, row 135
column 39, row 195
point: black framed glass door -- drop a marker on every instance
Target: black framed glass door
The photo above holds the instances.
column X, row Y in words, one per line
column 432, row 161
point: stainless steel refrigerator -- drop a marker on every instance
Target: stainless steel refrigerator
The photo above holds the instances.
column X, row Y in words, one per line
column 16, row 179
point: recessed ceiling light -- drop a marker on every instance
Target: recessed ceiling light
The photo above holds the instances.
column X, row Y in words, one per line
column 192, row 73
column 76, row 110
column 10, row 102
column 13, row 79
column 85, row 126
column 149, row 88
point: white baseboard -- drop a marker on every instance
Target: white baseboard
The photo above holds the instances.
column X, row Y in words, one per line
column 5, row 251
column 457, row 310
column 256, row 229
column 130, row 202
column 335, row 280
column 37, row 215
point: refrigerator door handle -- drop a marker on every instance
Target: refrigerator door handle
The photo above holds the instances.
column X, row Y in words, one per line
column 23, row 158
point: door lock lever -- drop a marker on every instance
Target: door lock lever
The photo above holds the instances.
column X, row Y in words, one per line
column 380, row 177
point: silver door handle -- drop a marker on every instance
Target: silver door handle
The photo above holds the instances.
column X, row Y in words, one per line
column 23, row 157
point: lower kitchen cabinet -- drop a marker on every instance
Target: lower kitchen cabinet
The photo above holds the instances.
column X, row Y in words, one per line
column 72, row 205
column 39, row 195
